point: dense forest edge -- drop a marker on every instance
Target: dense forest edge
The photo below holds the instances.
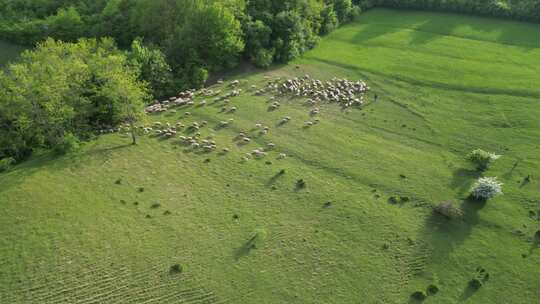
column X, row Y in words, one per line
column 97, row 62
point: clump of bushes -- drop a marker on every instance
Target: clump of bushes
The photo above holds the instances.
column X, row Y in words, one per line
column 68, row 144
column 448, row 210
column 482, row 159
column 176, row 268
column 419, row 295
column 432, row 289
column 6, row 163
column 486, row 188
column 258, row 238
column 480, row 278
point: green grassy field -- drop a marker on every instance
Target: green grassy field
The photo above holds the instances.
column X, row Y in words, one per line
column 447, row 84
column 8, row 52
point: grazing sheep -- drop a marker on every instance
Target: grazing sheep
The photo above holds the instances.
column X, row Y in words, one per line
column 282, row 156
column 187, row 114
column 233, row 109
column 258, row 125
column 271, row 145
column 225, row 150
column 247, row 139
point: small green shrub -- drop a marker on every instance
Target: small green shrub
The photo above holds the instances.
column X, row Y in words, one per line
column 68, row 144
column 486, row 188
column 475, row 284
column 419, row 295
column 176, row 268
column 258, row 238
column 432, row 289
column 448, row 210
column 6, row 163
column 482, row 159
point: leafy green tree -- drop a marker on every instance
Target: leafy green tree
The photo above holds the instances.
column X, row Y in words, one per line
column 66, row 88
column 66, row 25
column 153, row 67
column 329, row 20
column 258, row 43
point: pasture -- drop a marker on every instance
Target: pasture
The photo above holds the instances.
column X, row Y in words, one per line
column 108, row 223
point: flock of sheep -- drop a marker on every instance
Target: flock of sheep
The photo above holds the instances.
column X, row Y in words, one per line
column 341, row 91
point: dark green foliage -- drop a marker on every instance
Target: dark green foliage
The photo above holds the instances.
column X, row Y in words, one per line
column 419, row 295
column 480, row 278
column 475, row 283
column 522, row 10
column 432, row 290
column 67, row 144
column 186, row 40
column 176, row 268
column 300, row 184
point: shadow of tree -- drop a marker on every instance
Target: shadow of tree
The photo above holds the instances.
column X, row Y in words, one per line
column 468, row 292
column 462, row 179
column 443, row 235
column 274, row 178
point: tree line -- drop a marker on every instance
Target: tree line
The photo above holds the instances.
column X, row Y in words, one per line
column 525, row 10
column 196, row 37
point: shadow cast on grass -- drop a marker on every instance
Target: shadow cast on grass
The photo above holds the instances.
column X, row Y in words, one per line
column 444, row 235
column 462, row 179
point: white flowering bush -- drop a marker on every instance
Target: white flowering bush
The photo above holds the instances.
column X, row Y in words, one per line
column 482, row 158
column 486, row 188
